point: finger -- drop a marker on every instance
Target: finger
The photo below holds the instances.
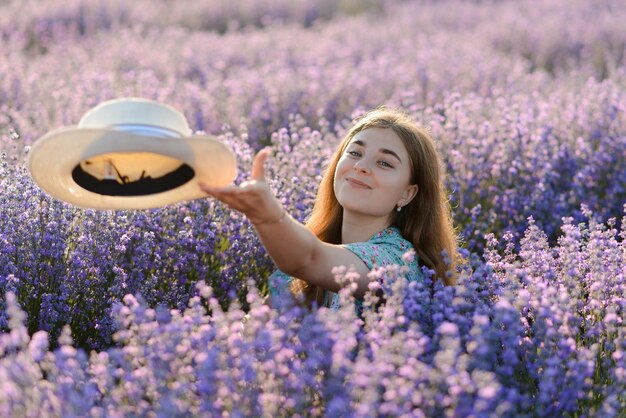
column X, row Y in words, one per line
column 231, row 198
column 252, row 185
column 258, row 170
column 212, row 190
column 238, row 203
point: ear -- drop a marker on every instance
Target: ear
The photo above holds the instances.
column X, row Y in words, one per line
column 408, row 194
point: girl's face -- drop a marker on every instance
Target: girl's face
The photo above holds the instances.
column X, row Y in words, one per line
column 373, row 174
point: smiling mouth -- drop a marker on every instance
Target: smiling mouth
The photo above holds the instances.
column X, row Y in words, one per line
column 357, row 183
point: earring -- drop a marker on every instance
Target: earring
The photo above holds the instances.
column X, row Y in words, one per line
column 399, row 208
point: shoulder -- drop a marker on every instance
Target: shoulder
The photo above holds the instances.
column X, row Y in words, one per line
column 391, row 237
column 385, row 248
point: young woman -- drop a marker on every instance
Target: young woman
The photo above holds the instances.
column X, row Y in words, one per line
column 382, row 195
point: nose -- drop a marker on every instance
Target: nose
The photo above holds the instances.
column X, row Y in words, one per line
column 361, row 166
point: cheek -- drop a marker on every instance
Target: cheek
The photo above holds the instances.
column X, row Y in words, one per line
column 396, row 185
column 336, row 175
column 342, row 166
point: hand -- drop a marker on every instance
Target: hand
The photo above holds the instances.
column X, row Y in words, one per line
column 252, row 197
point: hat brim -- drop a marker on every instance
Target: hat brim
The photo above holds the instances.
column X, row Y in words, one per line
column 54, row 156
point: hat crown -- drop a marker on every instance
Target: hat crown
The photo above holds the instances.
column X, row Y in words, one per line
column 134, row 114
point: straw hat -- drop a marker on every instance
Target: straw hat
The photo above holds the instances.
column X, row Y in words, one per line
column 129, row 154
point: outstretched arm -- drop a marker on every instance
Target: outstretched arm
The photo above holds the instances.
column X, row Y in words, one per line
column 293, row 247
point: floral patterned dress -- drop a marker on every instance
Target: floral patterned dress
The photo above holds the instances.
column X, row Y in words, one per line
column 385, row 248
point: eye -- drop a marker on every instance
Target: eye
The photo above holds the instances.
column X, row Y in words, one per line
column 354, row 153
column 385, row 164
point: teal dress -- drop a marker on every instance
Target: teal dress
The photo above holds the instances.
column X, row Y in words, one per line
column 385, row 248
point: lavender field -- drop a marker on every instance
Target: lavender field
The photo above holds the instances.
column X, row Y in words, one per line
column 160, row 312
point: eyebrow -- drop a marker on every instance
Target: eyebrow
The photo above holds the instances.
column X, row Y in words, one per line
column 383, row 150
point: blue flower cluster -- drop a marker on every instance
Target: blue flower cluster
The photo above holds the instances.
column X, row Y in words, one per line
column 540, row 333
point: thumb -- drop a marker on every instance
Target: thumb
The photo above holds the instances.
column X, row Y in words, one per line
column 258, row 171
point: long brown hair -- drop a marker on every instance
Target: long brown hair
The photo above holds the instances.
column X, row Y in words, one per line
column 426, row 221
